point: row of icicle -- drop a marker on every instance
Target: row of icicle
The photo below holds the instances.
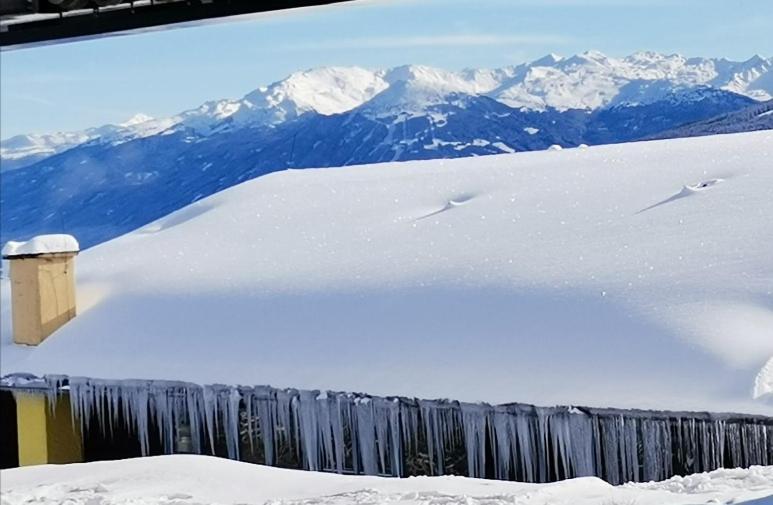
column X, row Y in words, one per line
column 345, row 432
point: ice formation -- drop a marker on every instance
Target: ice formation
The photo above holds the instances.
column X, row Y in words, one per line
column 346, row 432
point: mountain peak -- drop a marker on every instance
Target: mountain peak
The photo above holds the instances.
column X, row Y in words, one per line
column 547, row 60
column 587, row 58
column 756, row 60
column 418, row 73
column 593, row 54
column 645, row 56
column 325, row 90
column 136, row 119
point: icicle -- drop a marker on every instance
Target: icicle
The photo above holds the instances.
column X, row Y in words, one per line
column 337, row 428
column 209, row 406
column 356, row 433
column 527, row 448
column 194, row 415
column 474, row 421
column 503, row 427
column 366, row 435
column 283, row 417
column 308, row 420
column 436, row 422
column 381, row 418
column 232, row 400
column 395, row 436
column 249, row 409
column 265, row 399
column 54, row 384
column 580, row 435
column 542, row 435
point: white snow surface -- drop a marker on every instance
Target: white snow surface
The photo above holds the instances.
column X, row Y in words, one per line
column 204, row 480
column 623, row 276
column 42, row 244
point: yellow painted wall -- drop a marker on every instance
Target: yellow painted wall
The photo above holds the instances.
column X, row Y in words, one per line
column 46, row 435
column 31, row 429
column 42, row 295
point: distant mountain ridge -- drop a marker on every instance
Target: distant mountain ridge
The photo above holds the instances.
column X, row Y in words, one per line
column 758, row 116
column 106, row 181
column 23, row 150
column 588, row 81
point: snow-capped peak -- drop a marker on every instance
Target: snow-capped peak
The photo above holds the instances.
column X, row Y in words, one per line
column 549, row 59
column 591, row 80
column 594, row 55
column 136, row 119
column 327, row 91
column 426, row 76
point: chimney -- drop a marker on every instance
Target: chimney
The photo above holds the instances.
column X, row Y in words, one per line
column 42, row 285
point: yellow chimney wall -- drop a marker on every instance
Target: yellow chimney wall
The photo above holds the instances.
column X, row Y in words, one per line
column 43, row 295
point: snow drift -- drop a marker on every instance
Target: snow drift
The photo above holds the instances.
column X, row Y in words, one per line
column 197, row 480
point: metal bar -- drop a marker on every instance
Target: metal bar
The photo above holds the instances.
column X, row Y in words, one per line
column 37, row 28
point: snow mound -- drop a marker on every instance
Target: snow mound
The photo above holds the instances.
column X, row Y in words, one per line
column 528, row 277
column 763, row 385
column 754, row 478
column 202, row 480
column 42, row 244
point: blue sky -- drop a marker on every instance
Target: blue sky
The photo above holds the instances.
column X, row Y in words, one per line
column 88, row 83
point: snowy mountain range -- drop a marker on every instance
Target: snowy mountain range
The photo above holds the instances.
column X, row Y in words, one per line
column 341, row 116
column 23, row 150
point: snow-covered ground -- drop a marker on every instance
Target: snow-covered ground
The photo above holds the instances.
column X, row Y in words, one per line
column 635, row 275
column 202, row 480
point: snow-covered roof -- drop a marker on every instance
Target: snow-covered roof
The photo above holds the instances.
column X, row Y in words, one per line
column 42, row 244
column 633, row 275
